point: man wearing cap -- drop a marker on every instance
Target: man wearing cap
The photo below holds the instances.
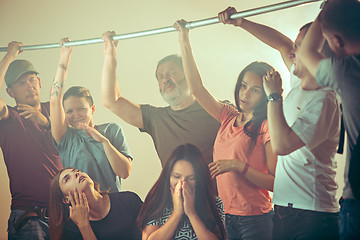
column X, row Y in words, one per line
column 29, row 154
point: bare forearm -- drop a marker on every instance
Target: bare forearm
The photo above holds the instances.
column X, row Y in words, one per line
column 56, row 91
column 277, row 124
column 191, row 72
column 119, row 163
column 202, row 233
column 283, row 139
column 167, row 231
column 58, row 124
column 193, row 78
column 267, row 35
column 110, row 90
column 309, row 51
column 87, row 233
column 4, row 65
column 270, row 37
column 260, row 179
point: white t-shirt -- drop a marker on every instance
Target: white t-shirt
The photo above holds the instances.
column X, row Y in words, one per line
column 305, row 178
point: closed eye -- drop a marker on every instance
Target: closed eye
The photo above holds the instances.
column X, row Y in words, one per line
column 192, row 178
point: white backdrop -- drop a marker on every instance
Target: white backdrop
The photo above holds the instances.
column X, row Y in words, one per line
column 220, row 51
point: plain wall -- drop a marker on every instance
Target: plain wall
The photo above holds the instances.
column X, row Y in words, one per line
column 220, row 51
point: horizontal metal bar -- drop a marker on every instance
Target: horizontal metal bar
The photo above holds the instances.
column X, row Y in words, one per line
column 190, row 25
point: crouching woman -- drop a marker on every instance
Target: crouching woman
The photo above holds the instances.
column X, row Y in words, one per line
column 183, row 204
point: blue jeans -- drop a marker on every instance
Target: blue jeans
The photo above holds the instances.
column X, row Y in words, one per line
column 293, row 223
column 249, row 227
column 349, row 219
column 35, row 228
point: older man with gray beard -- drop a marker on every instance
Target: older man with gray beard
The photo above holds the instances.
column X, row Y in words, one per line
column 183, row 121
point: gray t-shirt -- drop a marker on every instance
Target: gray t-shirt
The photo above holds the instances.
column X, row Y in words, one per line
column 343, row 74
column 169, row 129
column 79, row 150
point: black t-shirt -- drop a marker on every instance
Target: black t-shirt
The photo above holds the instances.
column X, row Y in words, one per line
column 119, row 223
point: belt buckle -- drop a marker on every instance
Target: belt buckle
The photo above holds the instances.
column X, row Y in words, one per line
column 43, row 213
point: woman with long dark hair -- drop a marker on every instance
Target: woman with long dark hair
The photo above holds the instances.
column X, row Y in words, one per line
column 79, row 210
column 244, row 163
column 183, row 204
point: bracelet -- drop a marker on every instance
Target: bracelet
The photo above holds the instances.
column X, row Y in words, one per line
column 244, row 171
column 62, row 66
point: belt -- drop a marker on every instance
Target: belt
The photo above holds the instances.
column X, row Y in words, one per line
column 30, row 212
column 282, row 211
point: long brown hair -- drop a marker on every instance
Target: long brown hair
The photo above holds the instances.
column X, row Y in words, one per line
column 58, row 210
column 252, row 127
column 159, row 196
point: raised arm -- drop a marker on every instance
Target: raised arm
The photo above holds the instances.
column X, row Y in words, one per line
column 267, row 35
column 110, row 91
column 192, row 75
column 283, row 139
column 309, row 48
column 57, row 113
column 13, row 51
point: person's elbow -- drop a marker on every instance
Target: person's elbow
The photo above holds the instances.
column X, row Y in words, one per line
column 281, row 148
column 271, row 185
column 126, row 173
column 108, row 102
column 105, row 102
column 280, row 151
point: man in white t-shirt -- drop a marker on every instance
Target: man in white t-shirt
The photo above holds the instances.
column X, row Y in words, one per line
column 304, row 131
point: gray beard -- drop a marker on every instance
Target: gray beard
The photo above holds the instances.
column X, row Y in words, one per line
column 178, row 95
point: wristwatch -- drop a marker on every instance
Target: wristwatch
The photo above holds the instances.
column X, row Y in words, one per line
column 274, row 97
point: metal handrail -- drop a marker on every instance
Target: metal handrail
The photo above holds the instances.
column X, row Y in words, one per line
column 190, row 25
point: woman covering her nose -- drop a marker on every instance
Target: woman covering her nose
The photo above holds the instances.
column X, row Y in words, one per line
column 183, row 204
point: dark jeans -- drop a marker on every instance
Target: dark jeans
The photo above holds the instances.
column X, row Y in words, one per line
column 249, row 227
column 35, row 228
column 291, row 223
column 349, row 219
